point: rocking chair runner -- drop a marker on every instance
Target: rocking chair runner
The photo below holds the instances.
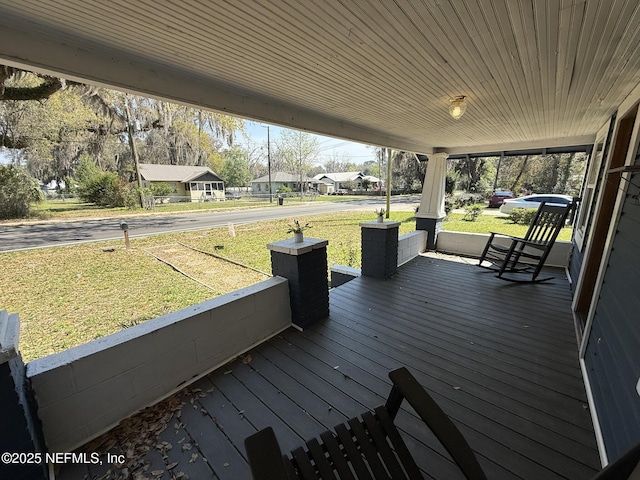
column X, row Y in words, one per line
column 372, row 447
column 527, row 254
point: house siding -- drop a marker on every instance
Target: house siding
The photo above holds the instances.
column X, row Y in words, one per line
column 207, row 177
column 612, row 355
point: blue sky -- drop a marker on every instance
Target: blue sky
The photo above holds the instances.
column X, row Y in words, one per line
column 3, row 158
column 329, row 146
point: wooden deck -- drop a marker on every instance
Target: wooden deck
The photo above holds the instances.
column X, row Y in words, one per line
column 500, row 358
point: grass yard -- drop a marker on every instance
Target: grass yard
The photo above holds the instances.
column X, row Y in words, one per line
column 492, row 223
column 67, row 296
column 75, row 208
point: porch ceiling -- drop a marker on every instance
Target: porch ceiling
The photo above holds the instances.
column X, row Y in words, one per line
column 535, row 72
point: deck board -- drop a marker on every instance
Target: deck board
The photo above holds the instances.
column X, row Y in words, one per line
column 501, row 360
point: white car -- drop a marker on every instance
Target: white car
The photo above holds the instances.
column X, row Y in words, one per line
column 534, row 201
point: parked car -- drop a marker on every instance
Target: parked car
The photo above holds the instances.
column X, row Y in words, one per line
column 340, row 191
column 498, row 197
column 534, row 201
column 231, row 195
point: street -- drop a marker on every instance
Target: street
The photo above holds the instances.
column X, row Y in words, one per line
column 59, row 233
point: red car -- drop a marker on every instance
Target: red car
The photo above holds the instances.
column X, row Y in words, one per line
column 495, row 201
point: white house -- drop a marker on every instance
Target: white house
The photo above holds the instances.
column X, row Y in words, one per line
column 331, row 182
column 278, row 180
column 199, row 183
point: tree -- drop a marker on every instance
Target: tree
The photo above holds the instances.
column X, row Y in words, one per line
column 408, row 172
column 473, row 174
column 18, row 190
column 298, row 151
column 235, row 171
column 257, row 156
column 49, row 132
column 43, row 89
column 370, row 167
column 70, row 119
column 339, row 162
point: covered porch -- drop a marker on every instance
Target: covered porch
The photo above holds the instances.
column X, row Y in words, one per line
column 535, row 75
column 501, row 360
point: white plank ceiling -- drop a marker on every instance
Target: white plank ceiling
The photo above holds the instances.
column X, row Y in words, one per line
column 535, row 72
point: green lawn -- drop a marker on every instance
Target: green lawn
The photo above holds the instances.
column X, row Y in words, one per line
column 67, row 296
column 74, row 208
column 487, row 223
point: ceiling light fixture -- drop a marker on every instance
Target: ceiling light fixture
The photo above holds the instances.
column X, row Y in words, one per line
column 457, row 106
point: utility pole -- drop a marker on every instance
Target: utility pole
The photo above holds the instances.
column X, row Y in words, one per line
column 269, row 164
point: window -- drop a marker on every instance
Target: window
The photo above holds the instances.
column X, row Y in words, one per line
column 588, row 194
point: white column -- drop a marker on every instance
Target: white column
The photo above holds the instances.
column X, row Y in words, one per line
column 432, row 201
column 431, row 212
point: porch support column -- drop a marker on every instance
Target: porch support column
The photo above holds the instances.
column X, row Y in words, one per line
column 379, row 248
column 19, row 433
column 431, row 212
column 304, row 264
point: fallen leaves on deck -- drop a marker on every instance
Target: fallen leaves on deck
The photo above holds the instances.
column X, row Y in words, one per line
column 135, row 437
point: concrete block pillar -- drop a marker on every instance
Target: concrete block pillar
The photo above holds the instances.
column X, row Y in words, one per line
column 17, row 430
column 304, row 264
column 431, row 212
column 379, row 248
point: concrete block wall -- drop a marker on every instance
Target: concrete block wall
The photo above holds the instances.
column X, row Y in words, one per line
column 308, row 283
column 472, row 244
column 86, row 390
column 341, row 274
column 379, row 245
column 18, row 432
column 411, row 245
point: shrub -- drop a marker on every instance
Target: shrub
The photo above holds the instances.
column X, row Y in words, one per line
column 161, row 189
column 18, row 190
column 450, row 182
column 284, row 191
column 467, row 199
column 522, row 216
column 448, row 204
column 472, row 212
column 108, row 190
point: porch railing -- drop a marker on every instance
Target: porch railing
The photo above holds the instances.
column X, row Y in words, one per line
column 86, row 390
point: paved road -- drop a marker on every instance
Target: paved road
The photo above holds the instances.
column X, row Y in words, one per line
column 48, row 234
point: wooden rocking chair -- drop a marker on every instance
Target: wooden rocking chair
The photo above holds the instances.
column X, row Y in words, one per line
column 366, row 447
column 371, row 446
column 527, row 254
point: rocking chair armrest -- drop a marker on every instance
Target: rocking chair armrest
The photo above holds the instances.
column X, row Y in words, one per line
column 505, row 237
column 492, row 235
column 265, row 457
column 405, row 386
